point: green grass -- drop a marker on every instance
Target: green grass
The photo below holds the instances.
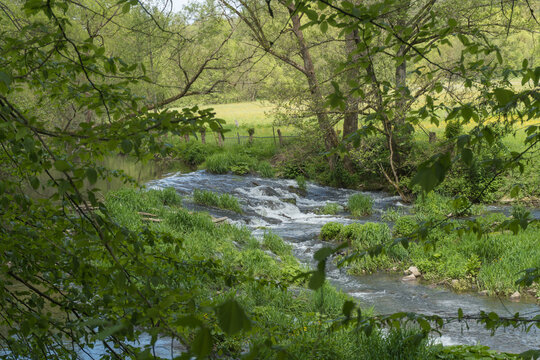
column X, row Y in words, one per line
column 330, row 208
column 360, row 205
column 214, row 263
column 222, row 201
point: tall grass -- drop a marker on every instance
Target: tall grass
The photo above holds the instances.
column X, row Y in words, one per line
column 223, row 201
column 360, row 205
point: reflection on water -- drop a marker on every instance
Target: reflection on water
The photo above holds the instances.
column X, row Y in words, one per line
column 118, row 165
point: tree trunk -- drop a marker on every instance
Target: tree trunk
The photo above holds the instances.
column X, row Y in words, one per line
column 203, row 136
column 329, row 135
column 350, row 120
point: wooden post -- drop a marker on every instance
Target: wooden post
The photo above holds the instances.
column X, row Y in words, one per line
column 203, row 136
column 220, row 139
column 280, row 138
column 274, row 132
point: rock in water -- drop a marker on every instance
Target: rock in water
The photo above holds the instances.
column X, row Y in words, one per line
column 414, row 270
column 409, row 278
column 515, row 296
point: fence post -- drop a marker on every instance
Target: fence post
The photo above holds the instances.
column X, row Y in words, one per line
column 280, row 138
column 203, row 136
column 274, row 132
column 220, row 139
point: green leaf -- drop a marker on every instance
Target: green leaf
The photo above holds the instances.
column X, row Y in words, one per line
column 467, row 156
column 530, row 354
column 316, row 280
column 202, row 344
column 5, row 81
column 503, row 96
column 499, row 57
column 34, row 182
column 127, row 146
column 232, row 318
column 324, row 27
column 452, row 23
column 348, row 307
column 515, row 191
column 92, row 175
column 62, row 165
column 109, row 331
column 323, row 253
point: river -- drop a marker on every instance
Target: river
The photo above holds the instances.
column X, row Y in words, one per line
column 299, row 225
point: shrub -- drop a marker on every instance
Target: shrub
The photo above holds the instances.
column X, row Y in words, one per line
column 360, row 205
column 240, row 168
column 331, row 231
column 194, row 153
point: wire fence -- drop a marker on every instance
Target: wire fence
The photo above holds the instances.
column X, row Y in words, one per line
column 220, row 139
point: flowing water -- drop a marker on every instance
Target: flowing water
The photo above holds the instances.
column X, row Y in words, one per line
column 265, row 207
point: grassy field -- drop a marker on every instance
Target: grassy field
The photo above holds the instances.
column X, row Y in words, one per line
column 256, row 115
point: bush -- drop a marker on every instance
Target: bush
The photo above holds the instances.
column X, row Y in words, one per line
column 360, row 205
column 194, row 153
column 391, row 214
column 331, row 231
